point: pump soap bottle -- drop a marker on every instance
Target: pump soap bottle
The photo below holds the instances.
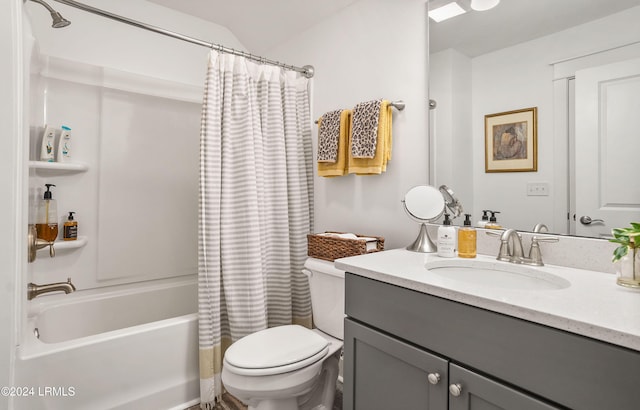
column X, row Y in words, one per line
column 70, row 229
column 47, row 217
column 467, row 237
column 493, row 221
column 485, row 219
column 446, row 239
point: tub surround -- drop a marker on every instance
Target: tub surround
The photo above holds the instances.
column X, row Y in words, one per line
column 593, row 305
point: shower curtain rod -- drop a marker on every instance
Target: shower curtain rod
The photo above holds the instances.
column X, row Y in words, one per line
column 307, row 70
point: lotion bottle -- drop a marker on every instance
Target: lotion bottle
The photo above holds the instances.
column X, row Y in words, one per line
column 485, row 219
column 64, row 145
column 48, row 141
column 446, row 239
column 467, row 237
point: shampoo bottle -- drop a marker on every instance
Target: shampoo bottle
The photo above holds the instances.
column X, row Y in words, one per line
column 48, row 141
column 446, row 239
column 64, row 145
column 467, row 239
column 70, row 229
column 47, row 218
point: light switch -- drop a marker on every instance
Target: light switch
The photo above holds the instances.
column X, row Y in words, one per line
column 537, row 189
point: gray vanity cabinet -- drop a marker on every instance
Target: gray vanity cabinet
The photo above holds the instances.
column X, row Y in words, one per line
column 397, row 340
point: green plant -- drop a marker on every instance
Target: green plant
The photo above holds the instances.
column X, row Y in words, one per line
column 625, row 237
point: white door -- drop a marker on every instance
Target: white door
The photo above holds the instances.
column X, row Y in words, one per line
column 607, row 147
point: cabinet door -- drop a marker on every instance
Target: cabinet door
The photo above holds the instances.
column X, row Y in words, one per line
column 383, row 373
column 470, row 391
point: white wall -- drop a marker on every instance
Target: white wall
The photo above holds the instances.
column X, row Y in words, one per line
column 523, row 76
column 372, row 49
column 132, row 99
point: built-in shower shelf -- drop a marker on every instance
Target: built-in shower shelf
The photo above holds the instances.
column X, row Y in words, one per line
column 62, row 245
column 52, row 167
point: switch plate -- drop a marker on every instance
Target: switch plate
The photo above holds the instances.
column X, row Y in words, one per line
column 537, row 189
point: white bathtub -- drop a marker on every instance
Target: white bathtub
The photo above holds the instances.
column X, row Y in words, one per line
column 131, row 347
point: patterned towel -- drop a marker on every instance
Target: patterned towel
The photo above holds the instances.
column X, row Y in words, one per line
column 329, row 136
column 377, row 164
column 340, row 167
column 364, row 130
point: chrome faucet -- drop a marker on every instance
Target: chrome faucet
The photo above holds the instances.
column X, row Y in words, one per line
column 34, row 290
column 540, row 228
column 511, row 247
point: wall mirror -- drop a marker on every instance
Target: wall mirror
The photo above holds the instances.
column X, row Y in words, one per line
column 557, row 56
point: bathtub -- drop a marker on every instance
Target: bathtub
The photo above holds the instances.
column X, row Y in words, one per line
column 129, row 347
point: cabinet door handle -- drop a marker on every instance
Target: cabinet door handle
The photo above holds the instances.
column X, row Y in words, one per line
column 455, row 389
column 433, row 378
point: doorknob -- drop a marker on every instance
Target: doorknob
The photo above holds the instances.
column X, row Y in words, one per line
column 586, row 220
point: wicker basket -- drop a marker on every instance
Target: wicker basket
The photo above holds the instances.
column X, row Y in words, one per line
column 331, row 248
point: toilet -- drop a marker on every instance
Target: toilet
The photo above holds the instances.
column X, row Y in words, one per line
column 291, row 367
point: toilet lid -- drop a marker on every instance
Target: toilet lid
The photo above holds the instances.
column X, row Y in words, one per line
column 276, row 350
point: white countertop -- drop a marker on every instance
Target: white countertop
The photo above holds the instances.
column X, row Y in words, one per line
column 593, row 305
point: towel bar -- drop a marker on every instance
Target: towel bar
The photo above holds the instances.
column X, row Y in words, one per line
column 398, row 105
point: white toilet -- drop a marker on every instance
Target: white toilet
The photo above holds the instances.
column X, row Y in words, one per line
column 292, row 367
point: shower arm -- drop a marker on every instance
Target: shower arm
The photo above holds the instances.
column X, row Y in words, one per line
column 307, row 70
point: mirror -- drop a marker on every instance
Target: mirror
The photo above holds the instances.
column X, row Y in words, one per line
column 423, row 203
column 520, row 55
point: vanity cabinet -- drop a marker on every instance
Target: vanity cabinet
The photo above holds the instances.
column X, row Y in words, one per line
column 410, row 350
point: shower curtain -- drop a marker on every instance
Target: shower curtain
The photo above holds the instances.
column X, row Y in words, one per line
column 255, row 208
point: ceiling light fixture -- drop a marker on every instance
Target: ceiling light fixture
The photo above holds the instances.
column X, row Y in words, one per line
column 482, row 5
column 446, row 12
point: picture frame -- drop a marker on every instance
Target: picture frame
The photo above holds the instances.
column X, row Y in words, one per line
column 511, row 141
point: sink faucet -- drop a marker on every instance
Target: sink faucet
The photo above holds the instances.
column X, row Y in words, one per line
column 34, row 290
column 540, row 228
column 511, row 247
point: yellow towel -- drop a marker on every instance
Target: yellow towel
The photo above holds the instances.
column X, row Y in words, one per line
column 338, row 168
column 377, row 164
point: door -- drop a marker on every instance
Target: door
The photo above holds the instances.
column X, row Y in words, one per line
column 382, row 373
column 607, row 147
column 471, row 391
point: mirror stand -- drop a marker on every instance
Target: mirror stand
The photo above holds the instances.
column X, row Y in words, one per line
column 423, row 242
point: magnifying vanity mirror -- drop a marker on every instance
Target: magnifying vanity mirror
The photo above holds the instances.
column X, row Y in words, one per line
column 572, row 61
column 425, row 204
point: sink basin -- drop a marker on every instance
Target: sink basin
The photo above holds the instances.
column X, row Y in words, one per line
column 497, row 274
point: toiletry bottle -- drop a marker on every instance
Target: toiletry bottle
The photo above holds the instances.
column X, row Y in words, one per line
column 48, row 141
column 64, row 145
column 446, row 239
column 467, row 239
column 47, row 219
column 485, row 219
column 493, row 221
column 70, row 228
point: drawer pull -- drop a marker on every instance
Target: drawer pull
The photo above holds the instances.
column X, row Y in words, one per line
column 455, row 389
column 433, row 378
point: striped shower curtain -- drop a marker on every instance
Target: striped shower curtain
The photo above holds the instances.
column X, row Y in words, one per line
column 255, row 208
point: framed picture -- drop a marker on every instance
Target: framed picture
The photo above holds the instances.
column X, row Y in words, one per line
column 511, row 141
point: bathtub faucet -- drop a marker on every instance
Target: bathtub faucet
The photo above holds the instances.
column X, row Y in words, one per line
column 34, row 290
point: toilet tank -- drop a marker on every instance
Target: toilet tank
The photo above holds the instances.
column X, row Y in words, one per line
column 326, row 284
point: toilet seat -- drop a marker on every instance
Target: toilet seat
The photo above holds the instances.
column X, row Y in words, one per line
column 275, row 350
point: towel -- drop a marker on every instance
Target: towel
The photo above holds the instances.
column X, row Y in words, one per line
column 339, row 167
column 376, row 164
column 329, row 136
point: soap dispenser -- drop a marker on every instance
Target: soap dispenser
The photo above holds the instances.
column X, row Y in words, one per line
column 485, row 219
column 70, row 229
column 493, row 221
column 446, row 239
column 47, row 217
column 467, row 239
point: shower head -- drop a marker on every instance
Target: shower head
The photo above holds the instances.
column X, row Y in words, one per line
column 58, row 20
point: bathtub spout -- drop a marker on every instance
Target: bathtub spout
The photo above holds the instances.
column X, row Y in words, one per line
column 34, row 290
